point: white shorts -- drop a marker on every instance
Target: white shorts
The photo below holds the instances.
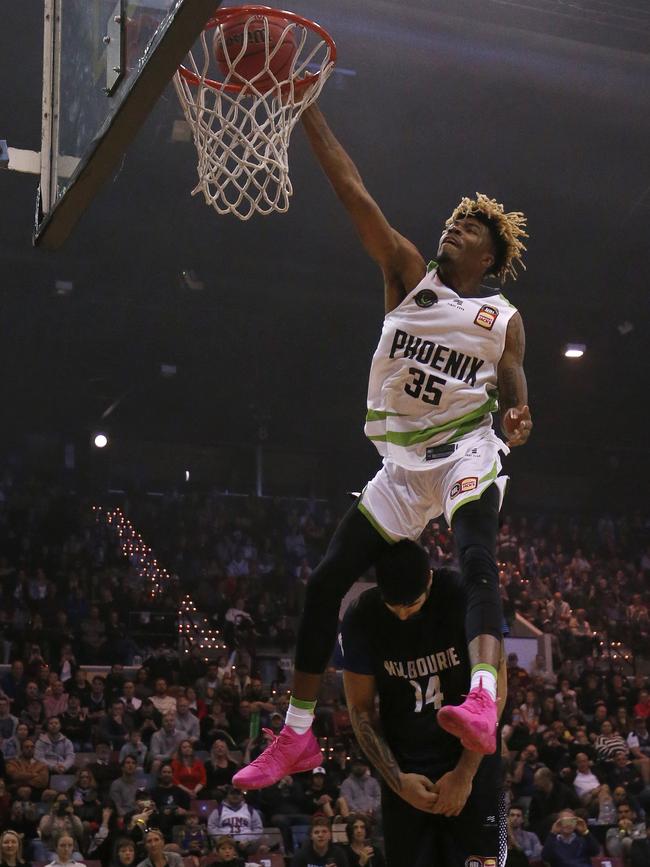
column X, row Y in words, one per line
column 400, row 502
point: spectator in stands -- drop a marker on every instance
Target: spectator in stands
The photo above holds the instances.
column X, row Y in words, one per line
column 123, row 853
column 638, row 740
column 282, row 807
column 189, row 772
column 60, row 821
column 195, row 841
column 549, row 797
column 123, row 790
column 628, row 829
column 148, row 720
column 34, row 716
column 360, row 851
column 338, row 766
column 361, row 790
column 143, row 816
column 320, row 850
column 55, row 702
column 115, row 726
column 27, row 770
column 11, row 747
column 319, row 797
column 207, row 685
column 585, row 782
column 8, row 721
column 609, row 742
column 84, row 796
column 5, row 804
column 142, row 688
column 154, row 843
column 129, row 699
column 25, row 813
column 64, row 854
column 214, row 724
column 161, row 700
column 164, row 742
column 240, row 723
column 186, row 722
column 67, row 664
column 13, row 682
column 93, row 637
column 226, row 852
column 54, row 749
column 565, row 700
column 640, row 851
column 523, row 773
column 11, row 850
column 219, row 768
column 171, row 800
column 642, row 707
column 97, row 700
column 134, row 747
column 76, row 726
column 114, row 682
column 622, row 772
column 80, row 687
column 196, row 705
column 237, row 819
column 103, row 769
column 570, row 843
column 527, row 841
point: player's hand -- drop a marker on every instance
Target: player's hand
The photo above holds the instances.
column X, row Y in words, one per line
column 454, row 789
column 517, row 425
column 419, row 791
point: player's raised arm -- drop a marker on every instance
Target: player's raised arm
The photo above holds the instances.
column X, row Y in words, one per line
column 360, row 693
column 402, row 265
column 513, row 391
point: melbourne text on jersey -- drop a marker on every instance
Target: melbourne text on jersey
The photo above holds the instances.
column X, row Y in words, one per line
column 438, row 357
column 431, row 664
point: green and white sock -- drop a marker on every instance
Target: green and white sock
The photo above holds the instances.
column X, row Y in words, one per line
column 486, row 676
column 300, row 715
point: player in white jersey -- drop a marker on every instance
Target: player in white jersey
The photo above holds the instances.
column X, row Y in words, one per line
column 451, row 353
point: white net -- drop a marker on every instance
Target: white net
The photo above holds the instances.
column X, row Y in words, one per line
column 242, row 126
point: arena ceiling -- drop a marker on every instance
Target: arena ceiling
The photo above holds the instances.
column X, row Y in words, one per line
column 543, row 104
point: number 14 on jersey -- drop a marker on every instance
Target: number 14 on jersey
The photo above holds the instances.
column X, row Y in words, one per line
column 433, row 695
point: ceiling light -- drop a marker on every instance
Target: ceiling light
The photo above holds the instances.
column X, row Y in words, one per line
column 100, row 440
column 574, row 350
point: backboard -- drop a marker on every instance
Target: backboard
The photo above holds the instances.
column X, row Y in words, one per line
column 105, row 64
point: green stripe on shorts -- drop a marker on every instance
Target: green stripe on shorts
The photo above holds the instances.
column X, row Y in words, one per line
column 366, row 514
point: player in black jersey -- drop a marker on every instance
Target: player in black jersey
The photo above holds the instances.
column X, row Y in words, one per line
column 404, row 641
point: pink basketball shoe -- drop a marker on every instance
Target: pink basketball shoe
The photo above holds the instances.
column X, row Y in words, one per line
column 474, row 721
column 288, row 753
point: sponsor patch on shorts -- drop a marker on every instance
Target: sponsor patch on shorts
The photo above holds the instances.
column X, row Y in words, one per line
column 486, row 317
column 464, row 485
column 480, row 861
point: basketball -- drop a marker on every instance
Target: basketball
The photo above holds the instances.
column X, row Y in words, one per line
column 231, row 35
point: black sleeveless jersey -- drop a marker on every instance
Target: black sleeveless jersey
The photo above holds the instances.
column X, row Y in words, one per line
column 419, row 665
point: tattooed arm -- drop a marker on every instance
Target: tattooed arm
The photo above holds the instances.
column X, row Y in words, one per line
column 513, row 391
column 415, row 789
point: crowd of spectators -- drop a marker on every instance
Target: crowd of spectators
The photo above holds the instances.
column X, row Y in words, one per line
column 118, row 744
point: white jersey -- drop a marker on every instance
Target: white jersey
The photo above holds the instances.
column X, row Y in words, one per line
column 433, row 378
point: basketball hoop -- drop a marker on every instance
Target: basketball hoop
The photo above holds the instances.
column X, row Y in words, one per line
column 242, row 123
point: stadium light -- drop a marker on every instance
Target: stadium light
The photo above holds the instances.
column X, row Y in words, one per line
column 100, row 440
column 574, row 350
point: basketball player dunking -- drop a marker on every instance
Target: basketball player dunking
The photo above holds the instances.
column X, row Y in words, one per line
column 448, row 349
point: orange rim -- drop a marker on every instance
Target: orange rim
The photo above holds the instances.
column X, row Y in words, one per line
column 222, row 15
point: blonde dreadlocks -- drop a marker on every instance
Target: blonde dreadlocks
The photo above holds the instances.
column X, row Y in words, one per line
column 508, row 229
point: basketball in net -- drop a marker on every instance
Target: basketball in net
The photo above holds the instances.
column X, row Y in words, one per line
column 242, row 91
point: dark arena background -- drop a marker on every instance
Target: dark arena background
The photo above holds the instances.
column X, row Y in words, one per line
column 183, row 398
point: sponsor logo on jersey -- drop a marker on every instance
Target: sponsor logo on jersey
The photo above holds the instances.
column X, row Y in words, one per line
column 480, row 861
column 426, row 298
column 463, row 486
column 486, row 317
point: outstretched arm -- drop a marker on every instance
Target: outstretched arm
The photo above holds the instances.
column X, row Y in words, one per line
column 415, row 789
column 513, row 391
column 402, row 265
